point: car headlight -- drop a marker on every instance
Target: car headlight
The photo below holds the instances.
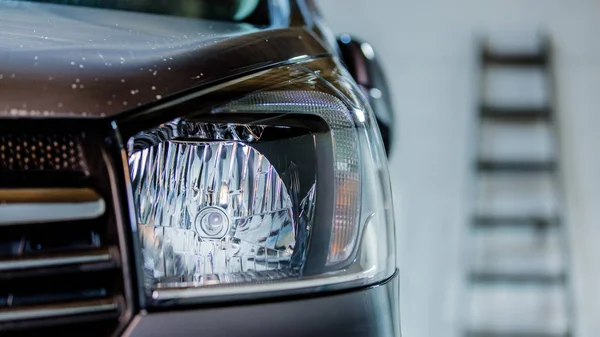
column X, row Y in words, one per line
column 275, row 182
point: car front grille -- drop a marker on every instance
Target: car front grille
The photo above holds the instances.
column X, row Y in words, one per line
column 61, row 266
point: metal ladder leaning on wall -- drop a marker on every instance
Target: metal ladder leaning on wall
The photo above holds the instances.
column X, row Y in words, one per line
column 518, row 279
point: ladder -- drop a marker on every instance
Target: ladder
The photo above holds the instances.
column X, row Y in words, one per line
column 518, row 283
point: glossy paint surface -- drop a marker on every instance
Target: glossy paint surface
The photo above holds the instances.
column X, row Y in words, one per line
column 66, row 61
column 370, row 312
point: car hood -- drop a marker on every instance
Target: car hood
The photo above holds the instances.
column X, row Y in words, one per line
column 65, row 61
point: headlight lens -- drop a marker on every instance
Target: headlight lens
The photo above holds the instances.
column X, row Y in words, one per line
column 284, row 188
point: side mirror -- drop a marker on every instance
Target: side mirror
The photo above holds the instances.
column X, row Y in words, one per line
column 359, row 58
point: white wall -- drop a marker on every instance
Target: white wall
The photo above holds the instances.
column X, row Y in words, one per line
column 429, row 50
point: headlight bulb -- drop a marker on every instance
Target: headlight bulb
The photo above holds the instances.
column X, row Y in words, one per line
column 212, row 223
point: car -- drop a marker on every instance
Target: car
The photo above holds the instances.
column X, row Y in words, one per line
column 192, row 168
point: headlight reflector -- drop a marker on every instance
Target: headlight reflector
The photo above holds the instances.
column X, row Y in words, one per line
column 213, row 208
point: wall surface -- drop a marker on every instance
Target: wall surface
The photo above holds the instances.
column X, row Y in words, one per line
column 429, row 50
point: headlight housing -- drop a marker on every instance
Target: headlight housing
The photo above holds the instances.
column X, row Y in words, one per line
column 275, row 182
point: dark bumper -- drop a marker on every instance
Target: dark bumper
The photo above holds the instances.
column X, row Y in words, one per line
column 365, row 312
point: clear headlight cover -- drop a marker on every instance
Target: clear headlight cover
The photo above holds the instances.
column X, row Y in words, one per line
column 276, row 182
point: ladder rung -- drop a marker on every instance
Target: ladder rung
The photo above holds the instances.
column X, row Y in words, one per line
column 515, row 166
column 519, row 221
column 514, row 278
column 515, row 59
column 484, row 333
column 512, row 113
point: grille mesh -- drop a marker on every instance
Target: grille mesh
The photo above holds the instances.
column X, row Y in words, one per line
column 60, row 256
column 41, row 152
